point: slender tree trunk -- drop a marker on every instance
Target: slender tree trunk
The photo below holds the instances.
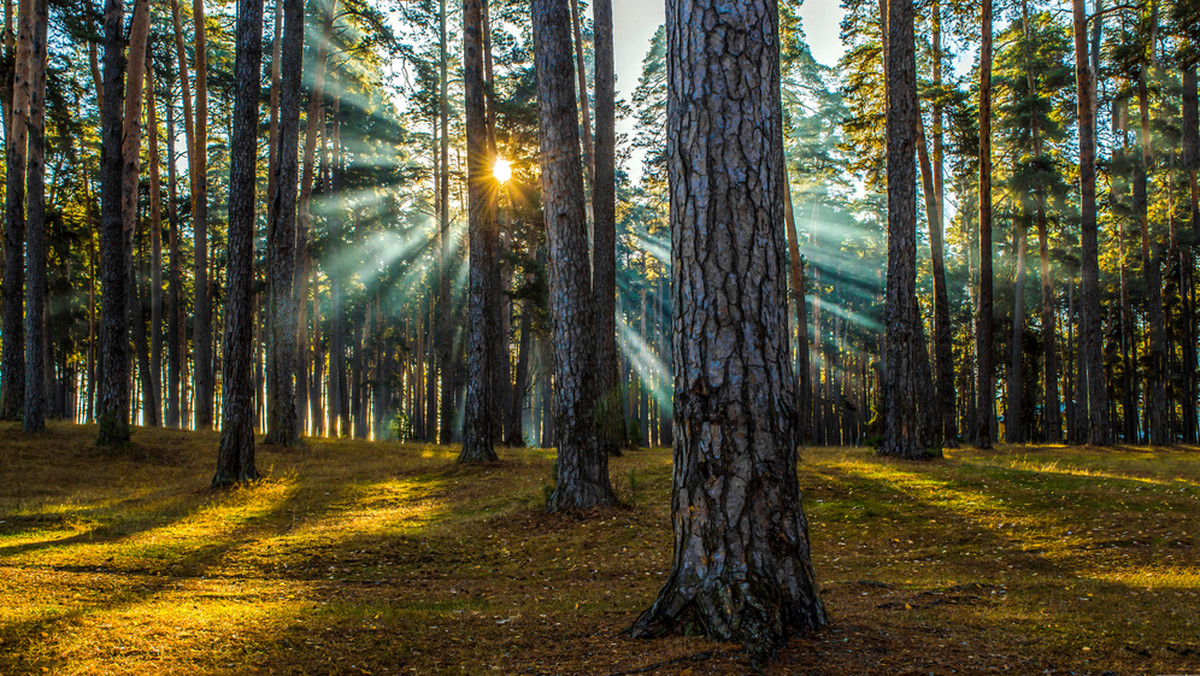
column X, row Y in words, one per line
column 585, row 117
column 1151, row 258
column 983, row 351
column 202, row 319
column 477, row 426
column 582, row 464
column 1097, row 394
column 445, row 300
column 804, row 394
column 130, row 171
column 12, row 357
column 281, row 358
column 515, row 429
column 156, row 301
column 35, row 228
column 604, row 232
column 114, row 330
column 1014, row 420
column 235, row 458
column 1191, row 162
column 176, row 338
column 942, row 330
column 734, row 386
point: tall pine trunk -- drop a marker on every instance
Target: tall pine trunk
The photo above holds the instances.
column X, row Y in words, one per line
column 35, row 228
column 281, row 235
column 582, row 464
column 202, row 336
column 235, row 458
column 1093, row 357
column 113, row 404
column 1191, row 162
column 985, row 387
column 477, row 425
column 156, row 301
column 604, row 232
column 12, row 356
column 734, row 388
column 1156, row 372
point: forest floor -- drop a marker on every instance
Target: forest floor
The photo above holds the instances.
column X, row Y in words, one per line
column 388, row 558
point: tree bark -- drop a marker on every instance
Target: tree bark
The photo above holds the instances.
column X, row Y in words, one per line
column 156, row 301
column 12, row 357
column 481, row 329
column 585, row 116
column 984, row 382
column 804, row 395
column 604, row 233
column 131, row 146
column 1097, row 393
column 176, row 337
column 35, row 228
column 904, row 435
column 1014, row 422
column 281, row 247
column 113, row 413
column 235, row 458
column 1151, row 260
column 582, row 464
column 445, row 300
column 741, row 568
column 202, row 319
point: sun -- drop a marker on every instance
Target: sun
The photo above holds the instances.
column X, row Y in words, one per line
column 502, row 170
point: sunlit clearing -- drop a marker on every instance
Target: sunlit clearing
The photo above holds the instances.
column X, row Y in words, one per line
column 502, row 170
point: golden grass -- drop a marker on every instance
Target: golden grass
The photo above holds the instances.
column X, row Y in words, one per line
column 388, row 558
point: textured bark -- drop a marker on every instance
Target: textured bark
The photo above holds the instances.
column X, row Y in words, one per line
column 130, row 171
column 1093, row 357
column 35, row 228
column 942, row 330
column 985, row 387
column 202, row 319
column 604, row 233
column 113, row 405
column 582, row 464
column 12, row 357
column 904, row 434
column 235, row 458
column 741, row 568
column 481, row 226
column 281, row 234
column 156, row 304
column 941, row 409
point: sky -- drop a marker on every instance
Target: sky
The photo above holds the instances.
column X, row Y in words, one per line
column 634, row 23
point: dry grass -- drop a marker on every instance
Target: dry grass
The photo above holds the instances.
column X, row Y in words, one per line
column 389, row 558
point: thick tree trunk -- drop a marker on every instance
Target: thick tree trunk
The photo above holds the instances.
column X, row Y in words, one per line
column 904, row 435
column 113, row 413
column 202, row 319
column 1097, row 393
column 235, row 458
column 941, row 403
column 481, row 329
column 582, row 464
column 281, row 247
column 985, row 387
column 741, row 568
column 12, row 358
column 35, row 228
